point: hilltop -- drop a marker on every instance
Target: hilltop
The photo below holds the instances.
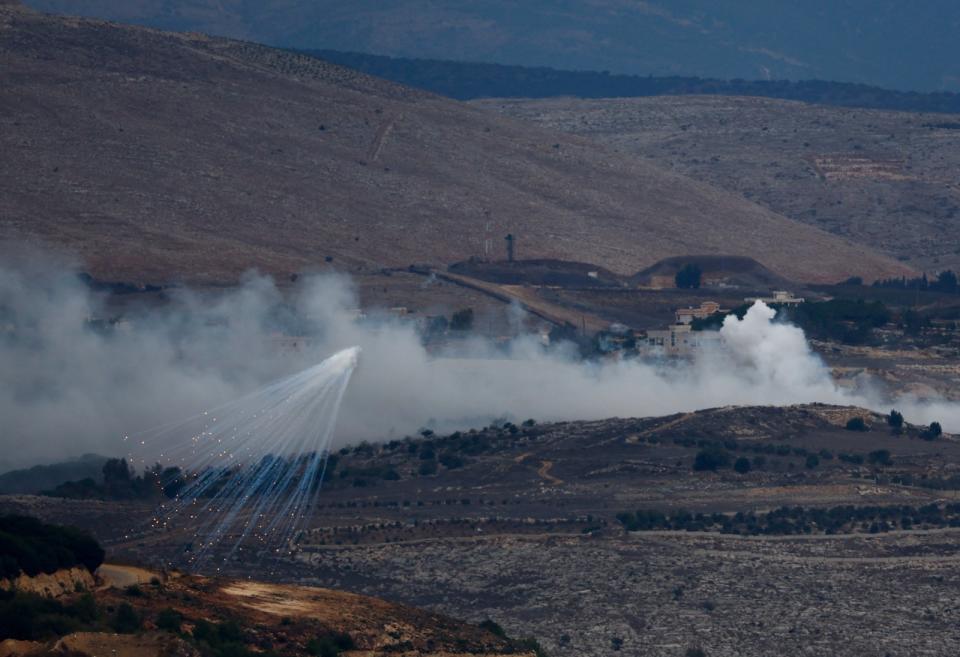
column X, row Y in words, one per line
column 884, row 179
column 159, row 156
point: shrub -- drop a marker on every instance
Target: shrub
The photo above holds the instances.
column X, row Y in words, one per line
column 880, row 457
column 742, row 465
column 169, row 620
column 856, row 424
column 812, row 461
column 711, row 458
column 451, row 461
column 31, row 617
column 855, row 459
column 126, row 620
column 493, row 628
column 428, row 468
column 331, row 645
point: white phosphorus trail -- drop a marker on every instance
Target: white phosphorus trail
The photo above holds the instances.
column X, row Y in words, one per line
column 250, row 470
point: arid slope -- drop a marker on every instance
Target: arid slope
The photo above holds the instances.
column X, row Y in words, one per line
column 163, row 156
column 888, row 180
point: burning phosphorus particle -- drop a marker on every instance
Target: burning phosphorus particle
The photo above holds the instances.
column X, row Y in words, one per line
column 268, row 492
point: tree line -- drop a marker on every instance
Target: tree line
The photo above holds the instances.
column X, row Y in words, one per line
column 470, row 80
column 786, row 520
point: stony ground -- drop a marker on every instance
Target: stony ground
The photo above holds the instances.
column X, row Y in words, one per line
column 660, row 595
column 525, row 533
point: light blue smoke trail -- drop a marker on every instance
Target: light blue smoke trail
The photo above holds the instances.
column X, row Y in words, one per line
column 254, row 466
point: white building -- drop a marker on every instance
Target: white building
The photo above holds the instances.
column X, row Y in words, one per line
column 780, row 298
column 681, row 340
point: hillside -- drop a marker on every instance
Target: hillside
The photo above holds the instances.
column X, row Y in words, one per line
column 884, row 179
column 524, row 524
column 165, row 156
column 847, row 40
column 137, row 613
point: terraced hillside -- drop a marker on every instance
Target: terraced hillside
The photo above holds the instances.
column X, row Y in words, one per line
column 528, row 525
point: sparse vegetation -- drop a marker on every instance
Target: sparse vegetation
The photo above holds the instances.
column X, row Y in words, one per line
column 330, row 645
column 31, row 617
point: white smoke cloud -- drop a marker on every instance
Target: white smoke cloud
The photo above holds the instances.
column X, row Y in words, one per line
column 66, row 388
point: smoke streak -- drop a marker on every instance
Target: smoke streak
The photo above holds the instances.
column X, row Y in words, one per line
column 67, row 388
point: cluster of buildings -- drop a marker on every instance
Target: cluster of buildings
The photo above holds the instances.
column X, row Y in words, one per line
column 681, row 339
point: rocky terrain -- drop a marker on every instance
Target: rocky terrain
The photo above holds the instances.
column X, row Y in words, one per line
column 520, row 524
column 885, row 179
column 172, row 614
column 158, row 157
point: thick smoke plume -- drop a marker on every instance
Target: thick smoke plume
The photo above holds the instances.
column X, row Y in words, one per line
column 69, row 384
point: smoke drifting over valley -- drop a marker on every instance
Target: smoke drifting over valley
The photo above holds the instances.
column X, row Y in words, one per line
column 73, row 382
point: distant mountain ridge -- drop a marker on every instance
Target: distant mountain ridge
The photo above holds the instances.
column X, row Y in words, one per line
column 473, row 80
column 44, row 477
column 894, row 44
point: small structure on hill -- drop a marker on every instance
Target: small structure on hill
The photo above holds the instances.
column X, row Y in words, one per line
column 779, row 298
column 707, row 308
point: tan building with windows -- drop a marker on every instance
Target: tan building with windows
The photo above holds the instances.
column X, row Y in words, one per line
column 707, row 308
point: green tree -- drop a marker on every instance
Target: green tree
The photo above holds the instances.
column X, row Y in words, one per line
column 856, row 424
column 462, row 320
column 895, row 419
column 932, row 432
column 711, row 458
column 742, row 465
column 879, row 457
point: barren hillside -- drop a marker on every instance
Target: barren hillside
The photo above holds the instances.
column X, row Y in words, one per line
column 888, row 180
column 166, row 156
